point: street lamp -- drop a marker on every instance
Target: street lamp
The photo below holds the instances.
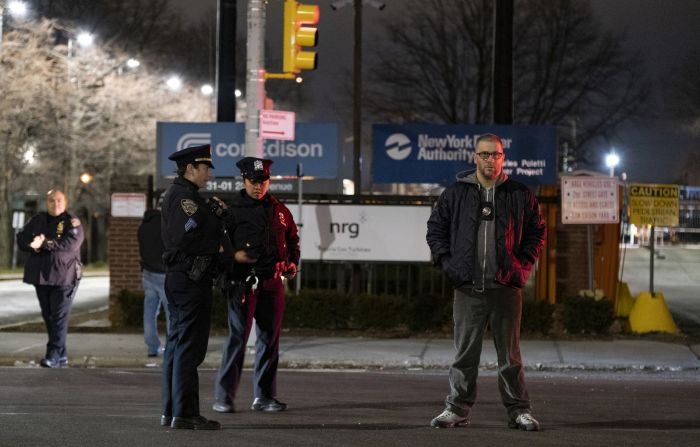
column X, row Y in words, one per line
column 17, row 9
column 612, row 160
column 174, row 83
column 207, row 90
column 85, row 39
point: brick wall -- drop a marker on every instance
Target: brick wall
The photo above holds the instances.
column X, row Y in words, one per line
column 572, row 260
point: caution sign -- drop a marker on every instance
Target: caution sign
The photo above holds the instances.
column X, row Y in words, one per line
column 589, row 200
column 652, row 204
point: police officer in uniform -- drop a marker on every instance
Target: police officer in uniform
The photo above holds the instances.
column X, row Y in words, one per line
column 193, row 236
column 266, row 249
column 53, row 239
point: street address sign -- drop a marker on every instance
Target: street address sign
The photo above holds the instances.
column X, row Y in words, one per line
column 277, row 125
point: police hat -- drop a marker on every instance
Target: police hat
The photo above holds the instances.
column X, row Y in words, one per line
column 194, row 154
column 255, row 169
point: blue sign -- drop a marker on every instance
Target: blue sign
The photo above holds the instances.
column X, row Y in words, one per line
column 430, row 153
column 315, row 146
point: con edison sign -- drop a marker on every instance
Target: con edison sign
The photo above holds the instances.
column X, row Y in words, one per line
column 315, row 146
column 428, row 153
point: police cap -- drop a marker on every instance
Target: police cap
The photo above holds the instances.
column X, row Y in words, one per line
column 255, row 169
column 194, row 154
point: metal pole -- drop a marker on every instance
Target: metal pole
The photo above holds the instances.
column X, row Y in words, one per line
column 652, row 244
column 255, row 77
column 357, row 100
column 503, row 62
column 300, row 222
column 589, row 233
column 226, row 61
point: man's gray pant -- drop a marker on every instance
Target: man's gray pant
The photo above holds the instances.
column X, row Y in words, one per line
column 501, row 308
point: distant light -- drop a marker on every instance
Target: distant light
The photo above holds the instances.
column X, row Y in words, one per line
column 207, row 90
column 29, row 155
column 174, row 83
column 238, row 93
column 17, row 9
column 612, row 160
column 85, row 39
column 299, row 79
column 86, row 178
column 133, row 63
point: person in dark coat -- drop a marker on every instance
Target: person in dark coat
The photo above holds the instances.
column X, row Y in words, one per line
column 151, row 251
column 193, row 237
column 486, row 233
column 53, row 239
column 266, row 249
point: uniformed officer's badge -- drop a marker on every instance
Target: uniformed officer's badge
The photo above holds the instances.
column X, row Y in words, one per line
column 486, row 210
column 258, row 165
column 59, row 229
column 282, row 221
column 188, row 206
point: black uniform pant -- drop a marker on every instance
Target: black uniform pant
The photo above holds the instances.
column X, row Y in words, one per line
column 501, row 308
column 267, row 307
column 55, row 303
column 189, row 304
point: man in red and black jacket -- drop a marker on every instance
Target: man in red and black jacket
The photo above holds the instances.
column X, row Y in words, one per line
column 266, row 249
column 53, row 239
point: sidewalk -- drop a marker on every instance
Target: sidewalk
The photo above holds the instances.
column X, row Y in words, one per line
column 128, row 350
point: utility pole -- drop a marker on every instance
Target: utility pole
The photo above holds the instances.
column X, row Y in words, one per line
column 503, row 62
column 357, row 99
column 226, row 61
column 255, row 77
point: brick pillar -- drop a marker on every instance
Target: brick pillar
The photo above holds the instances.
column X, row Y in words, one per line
column 124, row 269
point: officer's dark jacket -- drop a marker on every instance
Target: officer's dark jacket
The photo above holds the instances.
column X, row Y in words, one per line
column 57, row 263
column 189, row 227
column 265, row 229
column 453, row 226
column 151, row 247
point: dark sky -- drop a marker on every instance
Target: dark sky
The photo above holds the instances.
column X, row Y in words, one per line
column 652, row 150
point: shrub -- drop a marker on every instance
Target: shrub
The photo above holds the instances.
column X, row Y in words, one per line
column 318, row 309
column 587, row 313
column 538, row 316
column 379, row 311
column 131, row 305
column 428, row 312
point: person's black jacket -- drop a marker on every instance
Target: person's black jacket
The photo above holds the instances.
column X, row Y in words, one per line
column 57, row 263
column 265, row 230
column 455, row 220
column 189, row 226
column 151, row 247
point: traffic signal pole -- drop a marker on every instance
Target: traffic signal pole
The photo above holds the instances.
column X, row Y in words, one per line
column 255, row 77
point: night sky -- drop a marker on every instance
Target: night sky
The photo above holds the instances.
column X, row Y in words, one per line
column 662, row 30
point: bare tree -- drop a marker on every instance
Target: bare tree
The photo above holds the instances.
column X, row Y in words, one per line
column 683, row 94
column 67, row 113
column 436, row 67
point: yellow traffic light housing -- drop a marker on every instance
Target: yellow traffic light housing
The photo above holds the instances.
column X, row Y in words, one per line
column 297, row 35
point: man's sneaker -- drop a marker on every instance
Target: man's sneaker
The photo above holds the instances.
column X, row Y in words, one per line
column 524, row 421
column 264, row 404
column 449, row 419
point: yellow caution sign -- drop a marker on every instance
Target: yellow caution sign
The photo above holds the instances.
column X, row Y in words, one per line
column 651, row 314
column 653, row 204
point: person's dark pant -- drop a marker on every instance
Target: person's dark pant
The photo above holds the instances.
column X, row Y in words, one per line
column 55, row 303
column 190, row 320
column 267, row 307
column 501, row 308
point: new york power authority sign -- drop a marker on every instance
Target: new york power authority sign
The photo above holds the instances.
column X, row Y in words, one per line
column 589, row 200
column 653, row 204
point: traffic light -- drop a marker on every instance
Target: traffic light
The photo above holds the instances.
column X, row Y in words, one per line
column 297, row 34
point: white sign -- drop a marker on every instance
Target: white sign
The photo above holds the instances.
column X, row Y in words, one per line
column 128, row 204
column 17, row 219
column 276, row 125
column 589, row 200
column 364, row 233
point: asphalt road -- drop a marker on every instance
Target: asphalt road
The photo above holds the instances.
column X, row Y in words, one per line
column 117, row 407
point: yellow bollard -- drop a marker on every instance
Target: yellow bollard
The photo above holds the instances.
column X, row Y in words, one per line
column 651, row 314
column 624, row 301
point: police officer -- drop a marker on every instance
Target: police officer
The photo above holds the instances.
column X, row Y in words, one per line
column 266, row 248
column 193, row 236
column 53, row 239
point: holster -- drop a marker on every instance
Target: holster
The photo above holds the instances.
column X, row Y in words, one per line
column 200, row 267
